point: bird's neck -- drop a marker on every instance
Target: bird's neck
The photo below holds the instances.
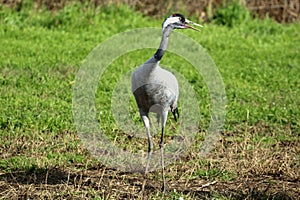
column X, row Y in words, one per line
column 163, row 44
column 153, row 62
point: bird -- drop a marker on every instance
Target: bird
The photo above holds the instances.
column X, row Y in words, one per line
column 156, row 89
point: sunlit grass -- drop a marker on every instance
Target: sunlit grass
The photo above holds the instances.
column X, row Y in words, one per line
column 41, row 52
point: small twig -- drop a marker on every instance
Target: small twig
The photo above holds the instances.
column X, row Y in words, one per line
column 208, row 184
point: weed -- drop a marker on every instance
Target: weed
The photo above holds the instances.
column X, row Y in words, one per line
column 232, row 14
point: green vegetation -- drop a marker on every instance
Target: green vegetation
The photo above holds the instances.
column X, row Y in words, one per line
column 231, row 15
column 40, row 54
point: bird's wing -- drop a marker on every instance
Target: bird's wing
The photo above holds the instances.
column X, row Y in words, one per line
column 165, row 78
column 141, row 75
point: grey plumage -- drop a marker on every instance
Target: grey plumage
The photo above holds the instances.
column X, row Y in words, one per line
column 156, row 89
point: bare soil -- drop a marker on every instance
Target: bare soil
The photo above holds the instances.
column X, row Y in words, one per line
column 261, row 173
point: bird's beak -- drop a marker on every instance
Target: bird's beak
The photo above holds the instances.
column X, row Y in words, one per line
column 187, row 22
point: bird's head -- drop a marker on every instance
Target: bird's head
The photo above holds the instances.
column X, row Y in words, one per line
column 178, row 21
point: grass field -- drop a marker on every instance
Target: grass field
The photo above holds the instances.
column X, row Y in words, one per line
column 42, row 156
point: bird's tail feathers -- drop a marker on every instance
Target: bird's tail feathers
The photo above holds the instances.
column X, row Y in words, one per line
column 175, row 112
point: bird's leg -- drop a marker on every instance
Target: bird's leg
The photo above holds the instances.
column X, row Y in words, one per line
column 150, row 144
column 161, row 145
column 158, row 118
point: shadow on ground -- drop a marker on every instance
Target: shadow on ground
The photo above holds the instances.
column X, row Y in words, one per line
column 110, row 183
column 51, row 176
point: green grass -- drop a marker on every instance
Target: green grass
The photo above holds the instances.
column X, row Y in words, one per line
column 41, row 52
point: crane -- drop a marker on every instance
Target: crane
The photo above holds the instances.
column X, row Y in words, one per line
column 156, row 89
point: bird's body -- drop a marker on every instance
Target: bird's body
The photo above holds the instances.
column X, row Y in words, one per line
column 156, row 89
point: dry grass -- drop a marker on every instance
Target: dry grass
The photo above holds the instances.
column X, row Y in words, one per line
column 254, row 162
column 242, row 167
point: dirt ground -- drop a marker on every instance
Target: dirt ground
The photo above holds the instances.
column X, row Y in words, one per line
column 64, row 184
column 276, row 178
